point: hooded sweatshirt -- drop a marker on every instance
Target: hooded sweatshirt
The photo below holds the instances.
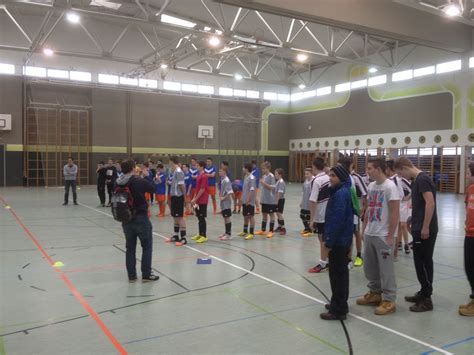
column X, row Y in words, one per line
column 138, row 187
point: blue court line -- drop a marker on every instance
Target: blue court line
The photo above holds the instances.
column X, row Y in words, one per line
column 450, row 345
column 221, row 323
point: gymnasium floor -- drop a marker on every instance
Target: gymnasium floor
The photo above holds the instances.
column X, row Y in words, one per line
column 255, row 297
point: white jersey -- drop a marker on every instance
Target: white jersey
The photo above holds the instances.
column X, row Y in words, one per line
column 320, row 195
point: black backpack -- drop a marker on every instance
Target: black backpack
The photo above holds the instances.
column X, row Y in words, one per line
column 122, row 203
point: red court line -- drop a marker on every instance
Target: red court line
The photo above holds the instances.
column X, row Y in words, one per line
column 73, row 289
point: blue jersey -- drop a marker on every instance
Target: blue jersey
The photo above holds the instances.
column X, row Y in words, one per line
column 188, row 180
column 237, row 185
column 211, row 180
column 256, row 173
column 194, row 173
column 160, row 184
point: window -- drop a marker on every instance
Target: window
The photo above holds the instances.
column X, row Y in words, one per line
column 359, row 84
column 80, row 76
column 148, row 83
column 471, row 62
column 240, row 93
column 172, row 86
column 226, row 92
column 189, row 88
column 372, row 152
column 283, row 97
column 251, row 94
column 452, row 151
column 7, row 68
column 426, row 151
column 34, row 71
column 297, row 96
column 402, row 75
column 323, row 91
column 307, row 94
column 270, row 96
column 58, row 74
column 207, row 90
column 448, row 67
column 108, row 79
column 412, row 151
column 128, row 81
column 424, row 71
column 343, row 87
column 377, row 80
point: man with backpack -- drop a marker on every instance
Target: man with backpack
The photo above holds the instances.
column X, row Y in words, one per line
column 130, row 207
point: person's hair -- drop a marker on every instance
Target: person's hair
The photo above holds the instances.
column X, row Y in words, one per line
column 160, row 166
column 101, row 162
column 471, row 168
column 209, row 158
column 309, row 170
column 402, row 162
column 127, row 166
column 224, row 168
column 346, row 162
column 319, row 163
column 110, row 158
column 202, row 164
column 390, row 164
column 253, row 162
column 152, row 162
column 70, row 158
column 186, row 165
column 146, row 164
column 267, row 165
column 248, row 167
column 280, row 172
column 378, row 163
column 225, row 163
column 193, row 158
column 174, row 159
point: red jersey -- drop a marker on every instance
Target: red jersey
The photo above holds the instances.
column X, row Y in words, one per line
column 202, row 182
column 470, row 211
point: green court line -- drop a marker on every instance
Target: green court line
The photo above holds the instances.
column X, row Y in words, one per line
column 288, row 323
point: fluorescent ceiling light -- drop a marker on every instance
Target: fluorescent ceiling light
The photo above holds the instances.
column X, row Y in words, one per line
column 35, row 71
column 302, row 57
column 177, row 21
column 284, row 97
column 240, row 93
column 252, row 94
column 452, row 10
column 128, row 81
column 471, row 62
column 323, row 91
column 219, row 32
column 207, row 28
column 359, row 84
column 302, row 86
column 343, row 87
column 48, row 52
column 189, row 88
column 171, row 85
column 214, row 41
column 80, row 76
column 58, row 74
column 424, row 71
column 148, row 83
column 108, row 79
column 164, row 66
column 7, row 68
column 296, row 96
column 226, row 92
column 269, row 95
column 107, row 4
column 448, row 67
column 238, row 77
column 377, row 80
column 73, row 17
column 307, row 94
column 402, row 75
column 206, row 90
column 373, row 70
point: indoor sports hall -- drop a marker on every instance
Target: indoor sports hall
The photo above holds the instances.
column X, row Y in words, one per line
column 294, row 177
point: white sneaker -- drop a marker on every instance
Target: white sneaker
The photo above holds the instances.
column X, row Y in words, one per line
column 350, row 265
column 225, row 237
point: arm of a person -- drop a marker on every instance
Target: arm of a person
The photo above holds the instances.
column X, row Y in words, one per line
column 334, row 226
column 394, row 218
column 429, row 211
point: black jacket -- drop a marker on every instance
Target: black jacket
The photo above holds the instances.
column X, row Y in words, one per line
column 138, row 187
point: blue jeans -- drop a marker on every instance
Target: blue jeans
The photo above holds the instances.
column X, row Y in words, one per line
column 70, row 184
column 140, row 227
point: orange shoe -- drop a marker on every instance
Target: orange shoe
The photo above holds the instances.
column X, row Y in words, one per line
column 259, row 233
column 270, row 235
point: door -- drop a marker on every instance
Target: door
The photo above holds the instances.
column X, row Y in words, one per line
column 3, row 165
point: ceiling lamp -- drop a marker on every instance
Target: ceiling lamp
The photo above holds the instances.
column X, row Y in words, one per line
column 238, row 77
column 73, row 17
column 48, row 52
column 164, row 66
column 373, row 70
column 214, row 41
column 302, row 57
column 452, row 10
column 302, row 86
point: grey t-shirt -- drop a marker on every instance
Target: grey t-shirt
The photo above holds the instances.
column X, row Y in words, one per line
column 226, row 190
column 178, row 179
column 280, row 188
column 268, row 195
column 249, row 186
column 306, row 195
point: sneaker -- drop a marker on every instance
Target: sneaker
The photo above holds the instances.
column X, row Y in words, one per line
column 303, row 231
column 278, row 230
column 109, row 205
column 173, row 239
column 307, row 234
column 400, row 246
column 132, row 279
column 410, row 245
column 423, row 305
column 358, row 261
column 283, row 231
column 332, row 316
column 370, row 299
column 270, row 235
column 196, row 237
column 150, row 278
column 225, row 237
column 259, row 232
column 182, row 242
column 386, row 307
column 467, row 309
column 350, row 265
column 242, row 234
column 202, row 240
column 318, row 269
column 413, row 299
column 407, row 249
column 249, row 237
column 65, row 204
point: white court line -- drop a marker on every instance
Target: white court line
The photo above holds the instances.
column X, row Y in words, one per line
column 393, row 331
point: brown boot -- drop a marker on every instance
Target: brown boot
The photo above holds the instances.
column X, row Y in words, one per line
column 467, row 310
column 386, row 307
column 370, row 299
